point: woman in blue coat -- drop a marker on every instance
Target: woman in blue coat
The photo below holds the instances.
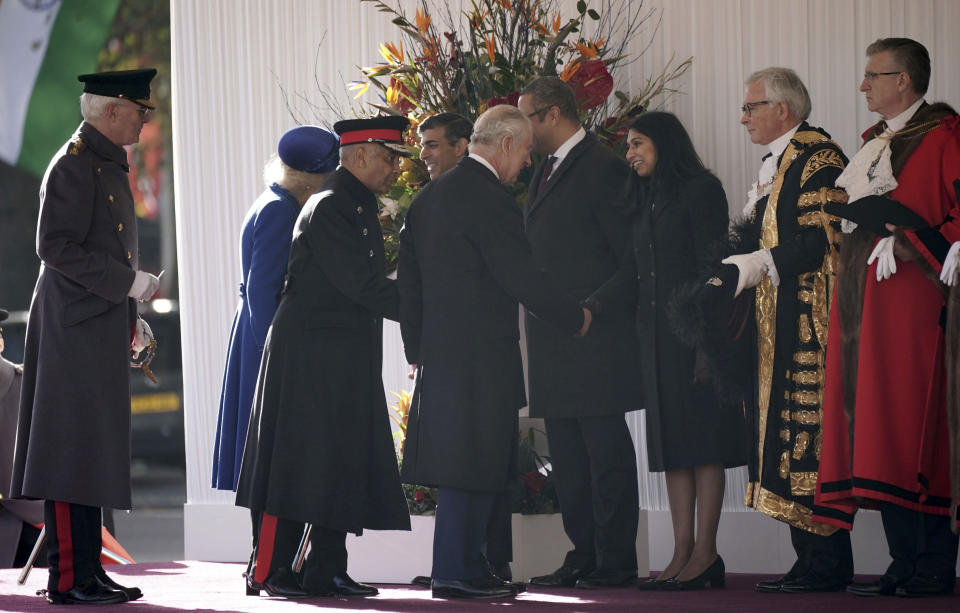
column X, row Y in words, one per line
column 306, row 155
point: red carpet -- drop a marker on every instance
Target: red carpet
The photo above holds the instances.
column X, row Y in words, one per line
column 211, row 587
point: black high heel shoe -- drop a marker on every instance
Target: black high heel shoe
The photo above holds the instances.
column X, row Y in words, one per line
column 654, row 584
column 715, row 575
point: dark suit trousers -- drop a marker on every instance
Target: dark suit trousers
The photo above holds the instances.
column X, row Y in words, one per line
column 499, row 548
column 275, row 543
column 459, row 533
column 920, row 543
column 327, row 559
column 73, row 543
column 822, row 556
column 595, row 467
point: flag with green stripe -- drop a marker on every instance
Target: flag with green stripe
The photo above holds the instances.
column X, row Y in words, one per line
column 44, row 45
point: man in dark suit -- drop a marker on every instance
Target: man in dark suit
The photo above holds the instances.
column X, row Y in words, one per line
column 83, row 324
column 464, row 264
column 576, row 219
column 444, row 139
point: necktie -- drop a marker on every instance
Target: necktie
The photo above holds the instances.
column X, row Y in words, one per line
column 547, row 169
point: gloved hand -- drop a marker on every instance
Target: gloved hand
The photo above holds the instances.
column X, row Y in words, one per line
column 752, row 267
column 950, row 274
column 142, row 336
column 883, row 255
column 144, row 286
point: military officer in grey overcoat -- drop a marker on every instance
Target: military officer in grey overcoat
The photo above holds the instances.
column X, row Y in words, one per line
column 319, row 448
column 73, row 432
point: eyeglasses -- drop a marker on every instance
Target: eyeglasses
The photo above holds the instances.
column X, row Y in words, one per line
column 539, row 112
column 870, row 76
column 747, row 109
column 145, row 113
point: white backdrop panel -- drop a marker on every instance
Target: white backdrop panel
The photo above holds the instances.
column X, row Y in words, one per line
column 231, row 57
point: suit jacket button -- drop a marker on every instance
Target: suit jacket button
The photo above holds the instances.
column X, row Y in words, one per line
column 110, row 197
column 371, row 253
column 365, row 231
column 119, row 227
column 129, row 256
column 359, row 209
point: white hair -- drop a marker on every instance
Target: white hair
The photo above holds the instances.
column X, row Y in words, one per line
column 783, row 85
column 497, row 123
column 92, row 106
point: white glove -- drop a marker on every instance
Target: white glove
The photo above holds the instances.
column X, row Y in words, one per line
column 752, row 268
column 142, row 336
column 950, row 274
column 144, row 286
column 883, row 254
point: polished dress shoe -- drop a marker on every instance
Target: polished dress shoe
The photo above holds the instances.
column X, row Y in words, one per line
column 715, row 575
column 601, row 579
column 421, row 581
column 886, row 585
column 919, row 586
column 88, row 591
column 483, row 587
column 132, row 593
column 343, row 585
column 813, row 582
column 282, row 583
column 502, row 570
column 565, row 576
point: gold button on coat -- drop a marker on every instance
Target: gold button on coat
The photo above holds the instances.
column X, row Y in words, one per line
column 119, row 227
column 110, row 197
column 365, row 231
column 129, row 255
column 359, row 209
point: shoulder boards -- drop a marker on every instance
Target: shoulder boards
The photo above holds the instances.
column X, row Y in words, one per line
column 819, row 160
column 809, row 137
column 76, row 146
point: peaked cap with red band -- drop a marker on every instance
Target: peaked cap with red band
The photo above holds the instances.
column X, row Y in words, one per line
column 386, row 131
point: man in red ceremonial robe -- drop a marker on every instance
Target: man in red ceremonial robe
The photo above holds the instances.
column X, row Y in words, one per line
column 886, row 439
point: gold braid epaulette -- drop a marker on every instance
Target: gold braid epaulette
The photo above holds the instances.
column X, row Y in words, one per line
column 76, row 146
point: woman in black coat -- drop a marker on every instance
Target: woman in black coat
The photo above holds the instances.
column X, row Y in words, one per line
column 691, row 435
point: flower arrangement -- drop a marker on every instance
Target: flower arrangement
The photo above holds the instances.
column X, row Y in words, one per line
column 468, row 62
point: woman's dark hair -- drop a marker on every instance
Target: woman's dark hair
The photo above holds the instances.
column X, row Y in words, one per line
column 677, row 160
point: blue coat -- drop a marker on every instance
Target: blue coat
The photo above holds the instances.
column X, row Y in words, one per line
column 264, row 249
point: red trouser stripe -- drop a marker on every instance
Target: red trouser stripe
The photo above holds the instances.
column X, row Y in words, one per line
column 268, row 535
column 65, row 545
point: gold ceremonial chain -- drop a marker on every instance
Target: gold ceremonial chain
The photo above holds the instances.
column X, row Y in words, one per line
column 144, row 364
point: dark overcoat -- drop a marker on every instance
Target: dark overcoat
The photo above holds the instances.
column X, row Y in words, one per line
column 674, row 240
column 463, row 265
column 73, row 434
column 264, row 248
column 577, row 225
column 319, row 447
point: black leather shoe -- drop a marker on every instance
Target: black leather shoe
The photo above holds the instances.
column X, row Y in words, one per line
column 495, row 581
column 282, row 583
column 715, row 575
column 600, row 579
column 421, row 581
column 565, row 576
column 503, row 571
column 132, row 593
column 919, row 586
column 343, row 585
column 815, row 583
column 88, row 591
column 471, row 588
column 886, row 585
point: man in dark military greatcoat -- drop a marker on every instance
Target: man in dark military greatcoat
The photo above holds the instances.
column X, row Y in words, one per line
column 73, row 433
column 319, row 448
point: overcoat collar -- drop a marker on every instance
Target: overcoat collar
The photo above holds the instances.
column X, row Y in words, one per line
column 344, row 179
column 535, row 197
column 101, row 145
column 468, row 163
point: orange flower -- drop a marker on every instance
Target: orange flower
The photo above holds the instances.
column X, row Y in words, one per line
column 569, row 70
column 556, row 23
column 587, row 50
column 505, row 4
column 423, row 22
column 431, row 50
column 490, row 44
column 391, row 53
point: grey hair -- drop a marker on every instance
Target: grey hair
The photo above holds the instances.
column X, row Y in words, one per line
column 293, row 180
column 92, row 106
column 497, row 123
column 783, row 85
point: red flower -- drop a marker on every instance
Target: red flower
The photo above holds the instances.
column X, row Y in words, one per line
column 399, row 95
column 591, row 83
column 533, row 480
column 418, row 496
column 510, row 99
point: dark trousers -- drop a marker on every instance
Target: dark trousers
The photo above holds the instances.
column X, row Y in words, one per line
column 459, row 533
column 499, row 545
column 327, row 558
column 822, row 556
column 73, row 543
column 920, row 543
column 275, row 543
column 595, row 468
